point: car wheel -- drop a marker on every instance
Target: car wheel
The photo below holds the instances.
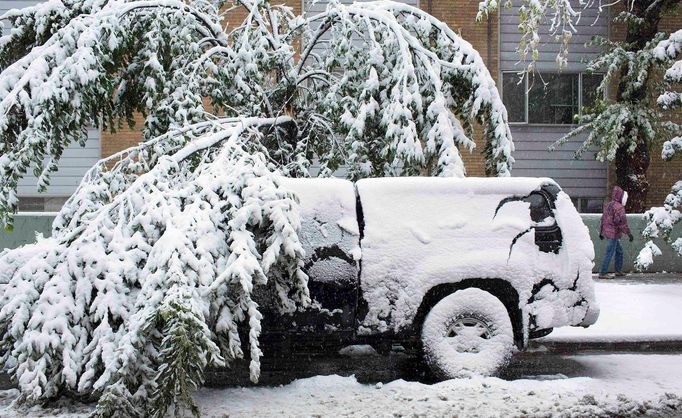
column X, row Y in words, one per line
column 467, row 333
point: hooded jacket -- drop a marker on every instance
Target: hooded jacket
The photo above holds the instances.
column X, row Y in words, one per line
column 614, row 223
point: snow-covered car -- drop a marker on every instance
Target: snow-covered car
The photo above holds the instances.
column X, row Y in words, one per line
column 464, row 269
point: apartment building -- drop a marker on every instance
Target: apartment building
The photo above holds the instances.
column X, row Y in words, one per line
column 541, row 107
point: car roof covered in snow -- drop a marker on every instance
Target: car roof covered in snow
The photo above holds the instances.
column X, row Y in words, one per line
column 476, row 185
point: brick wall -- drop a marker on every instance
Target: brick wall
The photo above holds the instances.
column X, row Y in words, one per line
column 122, row 138
column 662, row 174
column 461, row 17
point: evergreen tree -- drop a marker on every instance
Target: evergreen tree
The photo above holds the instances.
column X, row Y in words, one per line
column 186, row 348
column 165, row 243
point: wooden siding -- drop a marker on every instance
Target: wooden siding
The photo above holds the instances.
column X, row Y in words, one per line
column 579, row 178
column 590, row 24
column 73, row 165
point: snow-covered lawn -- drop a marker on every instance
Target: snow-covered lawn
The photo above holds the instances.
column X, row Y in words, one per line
column 620, row 385
column 630, row 312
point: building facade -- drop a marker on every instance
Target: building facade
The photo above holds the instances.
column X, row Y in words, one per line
column 540, row 108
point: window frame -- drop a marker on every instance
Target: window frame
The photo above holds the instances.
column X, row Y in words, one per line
column 525, row 84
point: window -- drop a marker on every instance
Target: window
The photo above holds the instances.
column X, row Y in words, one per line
column 590, row 84
column 514, row 97
column 588, row 204
column 554, row 98
column 41, row 204
column 555, row 101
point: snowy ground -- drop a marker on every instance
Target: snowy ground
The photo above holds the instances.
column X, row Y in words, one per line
column 606, row 385
column 537, row 384
column 627, row 385
column 631, row 311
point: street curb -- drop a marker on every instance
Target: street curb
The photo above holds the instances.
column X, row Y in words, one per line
column 642, row 278
column 561, row 347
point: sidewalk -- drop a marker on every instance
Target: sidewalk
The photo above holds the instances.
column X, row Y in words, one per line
column 636, row 309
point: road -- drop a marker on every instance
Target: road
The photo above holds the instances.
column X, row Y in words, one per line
column 369, row 367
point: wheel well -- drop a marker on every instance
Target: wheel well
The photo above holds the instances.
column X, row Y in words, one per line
column 499, row 288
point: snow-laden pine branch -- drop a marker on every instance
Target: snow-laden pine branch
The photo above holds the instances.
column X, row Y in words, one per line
column 370, row 88
column 95, row 304
column 669, row 50
column 661, row 220
column 50, row 95
column 420, row 99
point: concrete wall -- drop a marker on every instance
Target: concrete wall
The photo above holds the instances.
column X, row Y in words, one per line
column 27, row 224
column 668, row 261
column 25, row 227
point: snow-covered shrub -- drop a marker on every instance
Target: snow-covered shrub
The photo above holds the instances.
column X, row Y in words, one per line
column 660, row 223
column 164, row 243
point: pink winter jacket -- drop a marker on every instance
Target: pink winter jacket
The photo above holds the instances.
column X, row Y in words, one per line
column 614, row 223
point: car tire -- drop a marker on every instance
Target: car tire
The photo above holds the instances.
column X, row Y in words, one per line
column 467, row 333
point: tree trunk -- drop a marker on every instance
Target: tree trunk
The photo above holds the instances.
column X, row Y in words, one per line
column 631, row 167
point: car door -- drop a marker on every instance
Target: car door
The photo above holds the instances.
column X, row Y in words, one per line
column 331, row 238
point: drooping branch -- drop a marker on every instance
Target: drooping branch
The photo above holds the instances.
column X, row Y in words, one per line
column 176, row 229
column 74, row 71
column 430, row 75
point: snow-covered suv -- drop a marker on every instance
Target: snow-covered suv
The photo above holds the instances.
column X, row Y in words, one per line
column 465, row 269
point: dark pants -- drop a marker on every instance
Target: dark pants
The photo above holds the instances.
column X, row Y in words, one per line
column 612, row 246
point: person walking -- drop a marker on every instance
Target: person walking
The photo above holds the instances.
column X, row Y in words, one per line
column 614, row 223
